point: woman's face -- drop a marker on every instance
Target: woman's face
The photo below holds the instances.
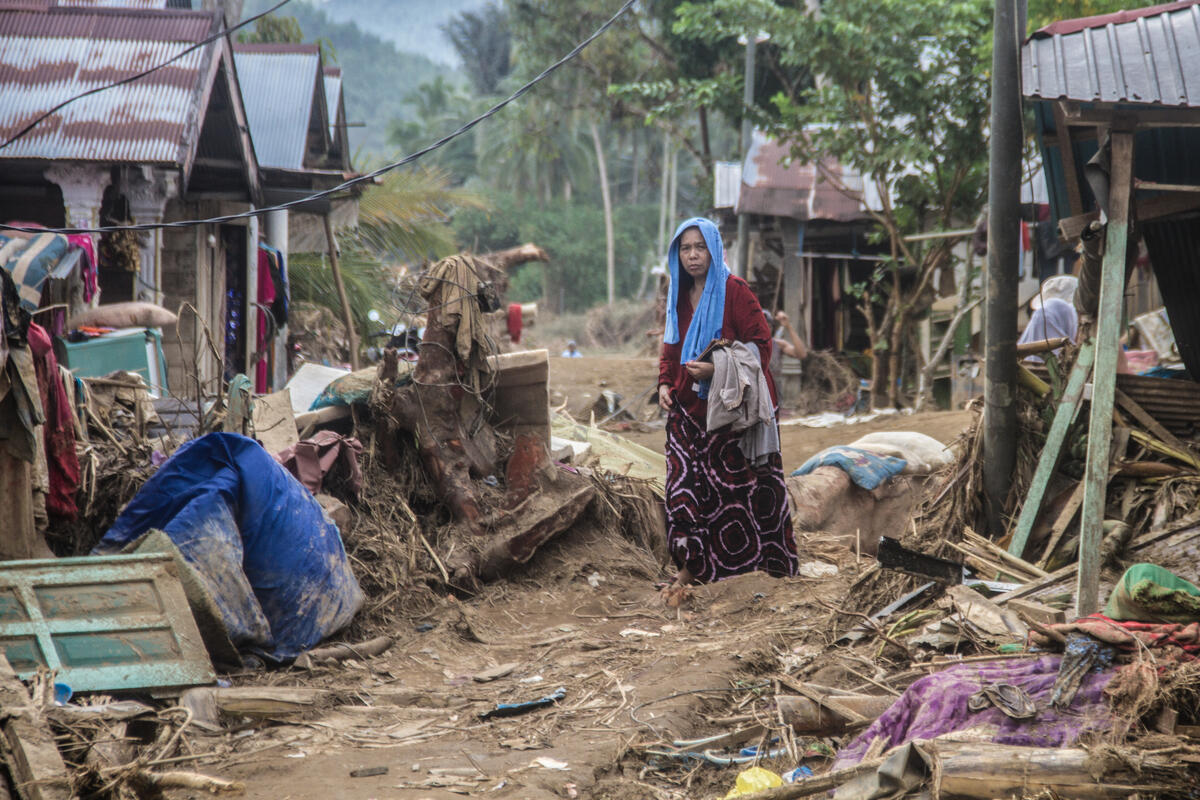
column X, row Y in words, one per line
column 693, row 253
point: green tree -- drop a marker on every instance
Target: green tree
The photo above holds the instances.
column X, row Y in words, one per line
column 274, row 29
column 439, row 107
column 482, row 41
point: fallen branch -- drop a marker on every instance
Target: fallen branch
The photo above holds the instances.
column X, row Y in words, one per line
column 343, row 651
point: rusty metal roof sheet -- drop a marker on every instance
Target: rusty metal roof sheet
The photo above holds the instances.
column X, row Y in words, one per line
column 773, row 186
column 279, row 83
column 1149, row 55
column 113, row 3
column 48, row 57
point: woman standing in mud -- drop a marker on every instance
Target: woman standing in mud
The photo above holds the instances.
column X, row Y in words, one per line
column 725, row 515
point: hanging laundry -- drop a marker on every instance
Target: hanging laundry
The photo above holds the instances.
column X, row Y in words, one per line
column 59, row 431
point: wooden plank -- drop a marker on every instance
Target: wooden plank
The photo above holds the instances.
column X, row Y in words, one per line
column 1151, row 424
column 1052, row 449
column 1066, row 151
column 1104, row 381
column 1148, row 209
column 1061, row 523
column 33, row 759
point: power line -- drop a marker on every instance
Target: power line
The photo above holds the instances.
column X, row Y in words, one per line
column 219, row 34
column 370, row 176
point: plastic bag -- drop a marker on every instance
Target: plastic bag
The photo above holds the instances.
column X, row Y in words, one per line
column 752, row 780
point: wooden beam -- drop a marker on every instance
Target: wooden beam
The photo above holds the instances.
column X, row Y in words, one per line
column 1066, row 151
column 36, row 766
column 1141, row 119
column 1151, row 208
column 347, row 317
column 1052, row 449
column 1104, row 381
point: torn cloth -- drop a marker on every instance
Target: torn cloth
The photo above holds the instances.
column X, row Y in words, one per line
column 451, row 285
column 938, row 704
column 312, row 459
column 865, row 468
column 740, row 398
column 1129, row 635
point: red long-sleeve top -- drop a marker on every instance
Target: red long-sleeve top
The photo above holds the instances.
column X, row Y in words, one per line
column 743, row 322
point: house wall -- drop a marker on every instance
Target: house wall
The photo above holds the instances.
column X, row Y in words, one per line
column 193, row 274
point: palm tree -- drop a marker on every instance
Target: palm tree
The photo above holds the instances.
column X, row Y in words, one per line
column 483, row 42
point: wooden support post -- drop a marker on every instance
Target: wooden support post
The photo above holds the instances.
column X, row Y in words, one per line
column 1066, row 151
column 1104, row 381
column 347, row 318
column 1068, row 407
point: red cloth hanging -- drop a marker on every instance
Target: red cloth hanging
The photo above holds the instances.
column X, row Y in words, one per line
column 59, row 431
column 266, row 296
column 514, row 322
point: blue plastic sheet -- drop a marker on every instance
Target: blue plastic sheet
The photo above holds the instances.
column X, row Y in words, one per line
column 865, row 468
column 268, row 554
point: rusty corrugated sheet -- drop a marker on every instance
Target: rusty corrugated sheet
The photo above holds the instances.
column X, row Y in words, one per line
column 279, row 83
column 46, row 58
column 773, row 187
column 1150, row 55
column 113, row 3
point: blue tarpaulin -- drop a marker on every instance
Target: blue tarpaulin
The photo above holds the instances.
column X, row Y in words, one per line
column 261, row 543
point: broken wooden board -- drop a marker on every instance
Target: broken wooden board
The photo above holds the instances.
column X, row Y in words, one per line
column 274, row 421
column 522, row 395
column 103, row 622
column 30, row 751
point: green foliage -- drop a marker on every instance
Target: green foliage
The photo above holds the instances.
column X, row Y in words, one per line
column 368, row 283
column 573, row 235
column 1042, row 12
column 273, row 28
column 410, row 25
column 376, row 76
column 440, row 107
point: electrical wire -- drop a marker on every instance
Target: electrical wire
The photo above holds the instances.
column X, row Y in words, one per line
column 370, row 176
column 131, row 78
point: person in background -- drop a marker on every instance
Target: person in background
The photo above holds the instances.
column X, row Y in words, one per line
column 791, row 346
column 725, row 515
column 571, row 352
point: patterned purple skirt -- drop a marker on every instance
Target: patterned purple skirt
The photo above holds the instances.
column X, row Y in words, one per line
column 724, row 516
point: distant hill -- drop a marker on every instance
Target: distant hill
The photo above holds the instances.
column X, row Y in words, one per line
column 377, row 75
column 414, row 26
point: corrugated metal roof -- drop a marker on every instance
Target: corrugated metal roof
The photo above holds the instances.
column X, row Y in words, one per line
column 48, row 57
column 333, row 93
column 278, row 86
column 774, row 186
column 1147, row 56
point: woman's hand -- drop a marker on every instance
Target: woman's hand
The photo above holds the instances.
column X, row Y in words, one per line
column 664, row 397
column 700, row 370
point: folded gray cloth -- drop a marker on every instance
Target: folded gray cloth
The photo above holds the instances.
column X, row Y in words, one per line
column 738, row 396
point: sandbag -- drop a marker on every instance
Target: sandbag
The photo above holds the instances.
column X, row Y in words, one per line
column 922, row 453
column 125, row 315
column 241, row 520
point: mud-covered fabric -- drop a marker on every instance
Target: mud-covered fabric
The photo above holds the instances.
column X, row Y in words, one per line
column 233, row 511
column 725, row 516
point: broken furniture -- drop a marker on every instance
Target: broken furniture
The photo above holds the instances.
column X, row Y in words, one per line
column 104, row 623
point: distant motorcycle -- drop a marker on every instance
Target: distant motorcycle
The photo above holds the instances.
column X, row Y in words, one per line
column 404, row 339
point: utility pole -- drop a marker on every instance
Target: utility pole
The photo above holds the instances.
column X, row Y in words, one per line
column 741, row 268
column 1004, row 187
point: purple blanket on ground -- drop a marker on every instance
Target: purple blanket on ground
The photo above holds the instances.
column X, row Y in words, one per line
column 937, row 705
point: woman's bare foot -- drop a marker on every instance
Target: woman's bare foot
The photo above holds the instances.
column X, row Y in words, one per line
column 679, row 591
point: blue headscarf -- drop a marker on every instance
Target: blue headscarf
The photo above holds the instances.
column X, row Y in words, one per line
column 709, row 313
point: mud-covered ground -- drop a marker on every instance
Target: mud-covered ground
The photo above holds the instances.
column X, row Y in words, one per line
column 584, row 615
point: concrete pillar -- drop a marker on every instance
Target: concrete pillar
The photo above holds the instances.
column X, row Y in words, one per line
column 276, row 235
column 82, row 188
column 148, row 189
column 251, row 337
